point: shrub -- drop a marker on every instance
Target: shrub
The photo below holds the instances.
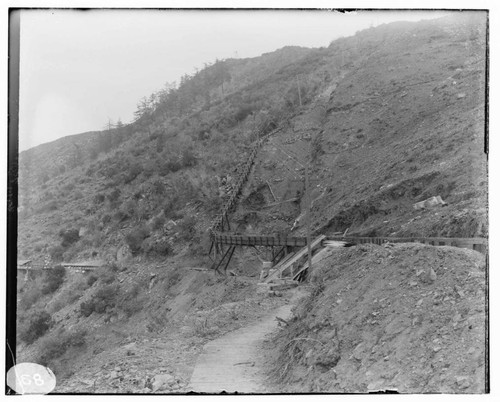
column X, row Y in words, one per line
column 57, row 346
column 99, row 198
column 53, row 279
column 91, row 280
column 56, row 253
column 39, row 324
column 158, row 248
column 120, row 216
column 30, row 297
column 133, row 171
column 129, row 208
column 188, row 158
column 135, row 238
column 187, row 228
column 158, row 188
column 69, row 237
column 106, row 276
column 87, row 308
column 129, row 302
column 158, row 222
column 317, row 147
column 49, row 206
column 104, row 297
column 170, row 206
column 114, row 195
column 172, row 165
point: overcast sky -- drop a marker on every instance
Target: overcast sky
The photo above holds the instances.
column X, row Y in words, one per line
column 79, row 68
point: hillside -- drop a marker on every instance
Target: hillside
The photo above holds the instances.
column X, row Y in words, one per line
column 383, row 119
column 388, row 127
column 376, row 319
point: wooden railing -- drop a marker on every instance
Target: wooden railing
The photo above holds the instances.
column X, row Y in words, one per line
column 242, row 173
column 248, row 240
column 474, row 243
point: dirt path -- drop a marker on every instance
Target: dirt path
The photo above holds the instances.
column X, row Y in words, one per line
column 234, row 362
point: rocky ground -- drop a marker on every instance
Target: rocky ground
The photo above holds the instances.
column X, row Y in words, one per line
column 405, row 317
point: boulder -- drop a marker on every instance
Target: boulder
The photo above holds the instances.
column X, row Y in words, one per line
column 123, row 253
column 429, row 203
column 162, row 381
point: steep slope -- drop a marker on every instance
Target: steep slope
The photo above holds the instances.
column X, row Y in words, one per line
column 402, row 120
column 402, row 317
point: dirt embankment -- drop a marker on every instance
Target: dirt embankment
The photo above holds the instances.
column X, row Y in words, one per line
column 401, row 316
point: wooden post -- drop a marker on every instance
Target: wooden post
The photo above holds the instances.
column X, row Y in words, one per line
column 308, row 201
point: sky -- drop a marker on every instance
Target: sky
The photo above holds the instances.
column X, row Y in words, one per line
column 78, row 69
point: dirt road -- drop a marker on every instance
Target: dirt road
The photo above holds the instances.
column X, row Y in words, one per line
column 234, row 362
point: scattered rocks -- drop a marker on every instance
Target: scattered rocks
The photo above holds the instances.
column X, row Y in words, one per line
column 459, row 291
column 113, row 375
column 428, row 277
column 358, row 351
column 462, row 382
column 432, row 275
column 124, row 253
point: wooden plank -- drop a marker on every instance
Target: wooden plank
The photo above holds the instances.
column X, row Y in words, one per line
column 271, row 190
column 294, row 258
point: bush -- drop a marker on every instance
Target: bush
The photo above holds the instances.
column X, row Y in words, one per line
column 158, row 222
column 171, row 166
column 56, row 253
column 58, row 345
column 170, row 206
column 53, row 279
column 99, row 198
column 129, row 208
column 30, row 297
column 135, row 238
column 91, row 280
column 114, row 195
column 107, row 276
column 129, row 301
column 49, row 206
column 120, row 216
column 87, row 308
column 105, row 297
column 69, row 237
column 317, row 147
column 39, row 323
column 188, row 158
column 158, row 248
column 158, row 188
column 186, row 227
column 134, row 170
